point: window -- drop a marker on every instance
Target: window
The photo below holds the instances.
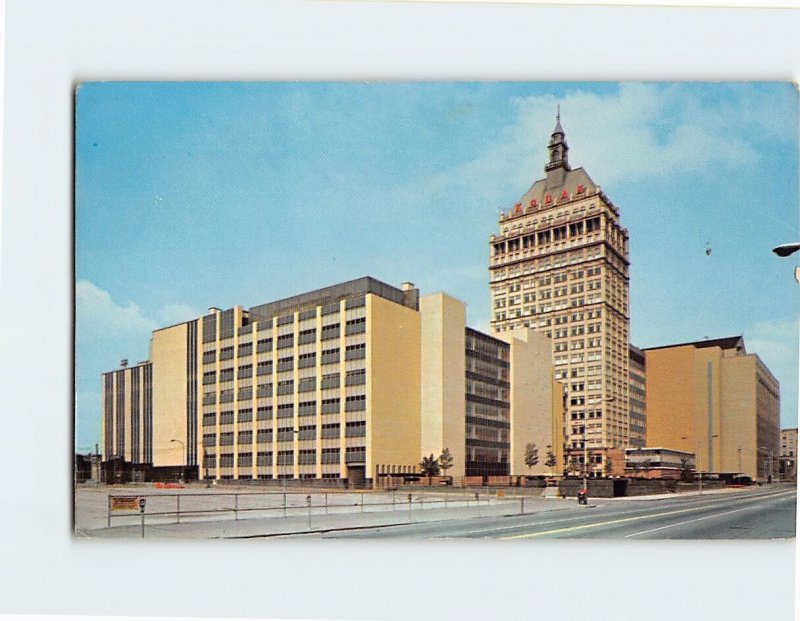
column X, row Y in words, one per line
column 264, row 367
column 264, row 345
column 307, row 408
column 264, row 435
column 331, row 380
column 330, row 456
column 226, row 353
column 264, row 390
column 286, row 410
column 307, row 336
column 226, row 460
column 245, row 370
column 355, row 454
column 210, row 418
column 356, row 378
column 355, row 352
column 226, row 417
column 245, row 393
column 356, row 429
column 210, row 356
column 226, row 375
column 332, row 331
column 307, row 384
column 264, row 458
column 330, row 406
column 356, row 326
column 245, row 415
column 209, row 377
column 285, row 364
column 226, row 439
column 305, row 361
column 287, row 340
column 285, row 387
column 330, row 308
column 330, row 356
column 285, row 434
column 355, row 403
column 307, row 432
column 286, row 458
column 307, row 456
column 245, row 459
column 331, row 430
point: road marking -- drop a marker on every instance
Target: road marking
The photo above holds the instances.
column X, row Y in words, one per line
column 652, row 530
column 630, row 519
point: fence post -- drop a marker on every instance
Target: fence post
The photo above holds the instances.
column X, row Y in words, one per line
column 326, row 503
column 410, row 509
column 178, row 496
column 109, row 510
column 522, row 504
column 236, row 506
column 308, row 500
column 362, row 502
column 393, row 498
column 284, row 502
column 478, row 503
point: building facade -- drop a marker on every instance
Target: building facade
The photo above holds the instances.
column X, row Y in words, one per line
column 637, row 399
column 559, row 265
column 788, row 459
column 714, row 399
column 352, row 382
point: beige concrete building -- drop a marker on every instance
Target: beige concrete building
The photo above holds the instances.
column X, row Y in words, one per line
column 352, row 382
column 637, row 399
column 788, row 460
column 715, row 400
column 559, row 266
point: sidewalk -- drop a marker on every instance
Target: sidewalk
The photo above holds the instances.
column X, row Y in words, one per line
column 319, row 522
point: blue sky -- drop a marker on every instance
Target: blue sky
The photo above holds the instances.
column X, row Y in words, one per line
column 190, row 195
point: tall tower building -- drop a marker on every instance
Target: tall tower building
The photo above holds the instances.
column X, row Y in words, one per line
column 559, row 265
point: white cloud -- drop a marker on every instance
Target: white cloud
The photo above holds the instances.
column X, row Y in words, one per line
column 96, row 310
column 177, row 313
column 640, row 131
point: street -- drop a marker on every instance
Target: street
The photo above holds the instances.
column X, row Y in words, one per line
column 757, row 513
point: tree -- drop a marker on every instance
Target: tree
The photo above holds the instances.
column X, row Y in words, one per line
column 551, row 461
column 531, row 455
column 608, row 466
column 429, row 466
column 446, row 460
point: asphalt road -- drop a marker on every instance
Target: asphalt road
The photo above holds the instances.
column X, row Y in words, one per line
column 760, row 513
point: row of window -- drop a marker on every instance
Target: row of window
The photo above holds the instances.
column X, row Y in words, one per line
column 286, row 458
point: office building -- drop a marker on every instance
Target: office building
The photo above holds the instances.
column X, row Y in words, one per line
column 559, row 265
column 349, row 382
column 715, row 400
column 637, row 399
column 788, row 459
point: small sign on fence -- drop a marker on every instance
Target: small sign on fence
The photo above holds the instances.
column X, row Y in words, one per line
column 125, row 503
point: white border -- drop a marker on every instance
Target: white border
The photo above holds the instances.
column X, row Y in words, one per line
column 52, row 45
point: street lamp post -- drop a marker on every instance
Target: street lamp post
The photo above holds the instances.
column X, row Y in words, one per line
column 770, row 464
column 697, row 446
column 183, row 448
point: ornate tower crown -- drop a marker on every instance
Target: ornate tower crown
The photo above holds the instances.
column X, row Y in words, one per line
column 558, row 147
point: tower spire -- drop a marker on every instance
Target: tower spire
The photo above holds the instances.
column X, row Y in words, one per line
column 558, row 147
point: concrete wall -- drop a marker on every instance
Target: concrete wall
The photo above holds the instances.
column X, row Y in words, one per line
column 442, row 381
column 393, row 376
column 531, row 381
column 168, row 354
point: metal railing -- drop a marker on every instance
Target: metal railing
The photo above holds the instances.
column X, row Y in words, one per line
column 173, row 507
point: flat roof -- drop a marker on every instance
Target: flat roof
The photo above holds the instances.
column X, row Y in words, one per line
column 329, row 295
column 728, row 342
